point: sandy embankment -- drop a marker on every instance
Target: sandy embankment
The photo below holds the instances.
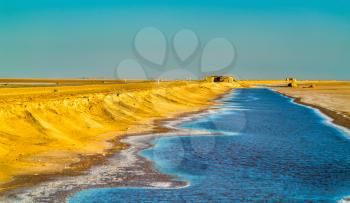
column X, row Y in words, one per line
column 47, row 130
column 331, row 97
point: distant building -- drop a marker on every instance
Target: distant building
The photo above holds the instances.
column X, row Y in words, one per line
column 292, row 82
column 220, row 79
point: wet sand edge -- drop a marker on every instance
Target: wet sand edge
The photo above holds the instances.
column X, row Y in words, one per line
column 158, row 125
column 337, row 117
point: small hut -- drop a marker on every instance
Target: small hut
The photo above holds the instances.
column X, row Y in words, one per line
column 228, row 79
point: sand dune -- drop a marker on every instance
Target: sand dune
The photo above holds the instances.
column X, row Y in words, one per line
column 46, row 129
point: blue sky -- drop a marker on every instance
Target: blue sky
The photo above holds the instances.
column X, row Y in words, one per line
column 308, row 39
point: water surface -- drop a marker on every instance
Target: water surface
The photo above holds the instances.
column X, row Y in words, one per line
column 264, row 147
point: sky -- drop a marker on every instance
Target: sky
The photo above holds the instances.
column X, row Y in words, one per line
column 272, row 39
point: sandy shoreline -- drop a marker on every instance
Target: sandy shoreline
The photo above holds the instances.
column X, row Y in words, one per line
column 168, row 101
column 164, row 126
column 337, row 117
column 330, row 97
column 122, row 169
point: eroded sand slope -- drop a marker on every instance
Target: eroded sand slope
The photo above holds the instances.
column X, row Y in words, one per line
column 45, row 129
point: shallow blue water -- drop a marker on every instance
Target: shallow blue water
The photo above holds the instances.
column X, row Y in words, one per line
column 272, row 150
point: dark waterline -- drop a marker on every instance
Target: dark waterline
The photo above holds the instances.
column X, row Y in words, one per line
column 269, row 149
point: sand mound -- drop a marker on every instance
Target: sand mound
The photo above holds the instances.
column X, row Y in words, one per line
column 44, row 130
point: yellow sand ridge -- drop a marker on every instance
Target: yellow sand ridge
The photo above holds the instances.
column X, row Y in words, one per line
column 46, row 129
